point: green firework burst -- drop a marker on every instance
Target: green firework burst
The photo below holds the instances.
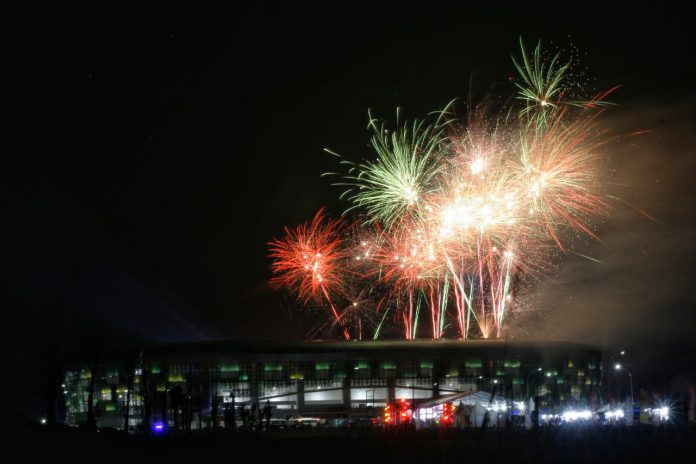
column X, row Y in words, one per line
column 542, row 87
column 408, row 162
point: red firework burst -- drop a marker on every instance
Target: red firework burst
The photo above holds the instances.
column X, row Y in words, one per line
column 308, row 262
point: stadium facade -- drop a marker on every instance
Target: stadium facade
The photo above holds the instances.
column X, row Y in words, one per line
column 326, row 379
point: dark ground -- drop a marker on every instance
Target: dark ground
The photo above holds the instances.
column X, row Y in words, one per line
column 550, row 445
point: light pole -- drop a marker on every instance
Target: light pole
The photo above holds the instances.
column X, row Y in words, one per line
column 611, row 377
column 548, row 375
column 619, row 367
column 534, row 413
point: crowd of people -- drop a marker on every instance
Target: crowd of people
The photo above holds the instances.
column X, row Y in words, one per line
column 251, row 417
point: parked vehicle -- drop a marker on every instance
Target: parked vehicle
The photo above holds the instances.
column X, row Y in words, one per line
column 278, row 424
column 306, row 423
column 365, row 422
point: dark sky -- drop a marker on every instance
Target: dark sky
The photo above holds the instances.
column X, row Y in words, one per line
column 162, row 147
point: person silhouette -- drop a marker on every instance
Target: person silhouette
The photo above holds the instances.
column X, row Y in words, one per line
column 486, row 419
column 267, row 413
column 252, row 415
column 228, row 417
column 245, row 416
column 233, row 412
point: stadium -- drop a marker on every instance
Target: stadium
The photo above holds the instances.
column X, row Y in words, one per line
column 195, row 385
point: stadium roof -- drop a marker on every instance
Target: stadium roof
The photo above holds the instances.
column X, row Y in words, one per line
column 373, row 349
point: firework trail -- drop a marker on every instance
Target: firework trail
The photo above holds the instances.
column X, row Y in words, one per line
column 409, row 265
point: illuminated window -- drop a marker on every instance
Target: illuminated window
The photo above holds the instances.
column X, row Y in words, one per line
column 426, row 368
column 473, row 364
column 105, row 394
column 230, row 371
column 273, row 370
column 361, row 369
column 322, row 370
column 387, row 368
column 229, row 368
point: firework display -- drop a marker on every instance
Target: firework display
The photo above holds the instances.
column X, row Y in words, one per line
column 454, row 216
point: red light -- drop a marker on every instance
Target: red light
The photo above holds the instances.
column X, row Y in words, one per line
column 447, row 412
column 388, row 417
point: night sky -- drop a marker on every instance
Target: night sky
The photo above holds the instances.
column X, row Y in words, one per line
column 162, row 148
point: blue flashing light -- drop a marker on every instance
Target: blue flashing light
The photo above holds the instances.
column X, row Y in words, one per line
column 158, row 427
